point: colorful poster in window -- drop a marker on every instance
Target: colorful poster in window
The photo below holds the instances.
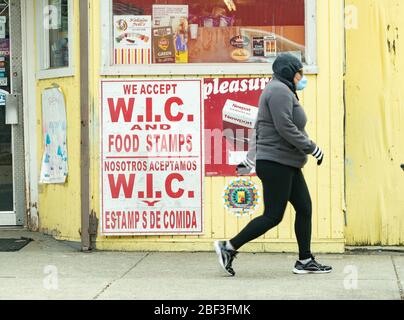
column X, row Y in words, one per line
column 152, row 149
column 163, row 45
column 132, row 40
column 214, row 24
column 231, row 109
column 3, row 94
column 176, row 17
column 258, row 47
column 3, row 21
column 4, row 47
column 54, row 167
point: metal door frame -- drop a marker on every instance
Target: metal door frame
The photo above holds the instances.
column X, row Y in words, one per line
column 30, row 113
column 16, row 218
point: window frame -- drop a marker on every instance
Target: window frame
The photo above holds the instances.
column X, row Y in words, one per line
column 43, row 58
column 108, row 68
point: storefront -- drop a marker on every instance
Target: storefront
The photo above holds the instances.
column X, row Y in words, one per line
column 172, row 92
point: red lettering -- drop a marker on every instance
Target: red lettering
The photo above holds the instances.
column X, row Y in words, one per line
column 123, row 222
column 107, row 216
column 121, row 183
column 149, row 143
column 144, row 224
column 193, row 226
column 118, row 218
column 136, row 127
column 127, row 143
column 121, row 107
column 113, row 221
column 189, row 143
column 182, row 141
column 137, row 218
column 179, row 219
column 158, row 220
column 168, row 111
column 130, row 89
column 174, row 85
column 172, row 220
column 149, row 185
column 165, row 219
column 149, row 110
column 168, row 185
column 188, row 219
column 110, row 142
column 131, row 220
column 155, row 220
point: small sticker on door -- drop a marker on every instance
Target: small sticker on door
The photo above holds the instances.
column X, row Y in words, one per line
column 3, row 82
column 2, row 31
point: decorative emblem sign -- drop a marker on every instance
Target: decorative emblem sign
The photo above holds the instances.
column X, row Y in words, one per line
column 241, row 197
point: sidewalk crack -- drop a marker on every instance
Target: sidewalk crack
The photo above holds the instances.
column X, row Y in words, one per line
column 121, row 277
column 400, row 286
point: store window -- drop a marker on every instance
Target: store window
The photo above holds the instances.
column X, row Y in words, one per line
column 206, row 32
column 55, row 37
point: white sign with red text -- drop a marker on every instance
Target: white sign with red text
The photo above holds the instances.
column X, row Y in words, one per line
column 152, row 148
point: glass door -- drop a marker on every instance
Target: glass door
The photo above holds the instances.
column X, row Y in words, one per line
column 6, row 162
column 7, row 209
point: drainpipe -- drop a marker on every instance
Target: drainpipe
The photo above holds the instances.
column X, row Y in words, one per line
column 84, row 118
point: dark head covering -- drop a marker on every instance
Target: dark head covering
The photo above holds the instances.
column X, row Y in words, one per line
column 285, row 68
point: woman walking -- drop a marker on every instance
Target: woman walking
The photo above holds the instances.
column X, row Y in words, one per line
column 280, row 151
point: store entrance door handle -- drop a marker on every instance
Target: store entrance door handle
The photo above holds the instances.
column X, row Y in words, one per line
column 12, row 106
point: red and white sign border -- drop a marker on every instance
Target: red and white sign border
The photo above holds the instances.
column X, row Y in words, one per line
column 202, row 164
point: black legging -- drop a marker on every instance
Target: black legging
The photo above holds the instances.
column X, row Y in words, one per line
column 281, row 184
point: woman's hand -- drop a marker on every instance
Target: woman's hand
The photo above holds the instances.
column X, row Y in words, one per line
column 244, row 168
column 319, row 155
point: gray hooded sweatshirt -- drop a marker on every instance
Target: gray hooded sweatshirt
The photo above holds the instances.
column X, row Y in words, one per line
column 279, row 133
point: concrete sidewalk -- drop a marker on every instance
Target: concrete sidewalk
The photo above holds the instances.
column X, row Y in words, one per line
column 35, row 271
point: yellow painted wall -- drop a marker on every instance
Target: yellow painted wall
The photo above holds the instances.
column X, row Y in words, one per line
column 375, row 124
column 323, row 101
column 59, row 205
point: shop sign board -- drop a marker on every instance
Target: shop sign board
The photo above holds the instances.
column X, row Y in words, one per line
column 231, row 109
column 151, row 157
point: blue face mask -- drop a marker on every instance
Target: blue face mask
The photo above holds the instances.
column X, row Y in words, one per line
column 302, row 84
